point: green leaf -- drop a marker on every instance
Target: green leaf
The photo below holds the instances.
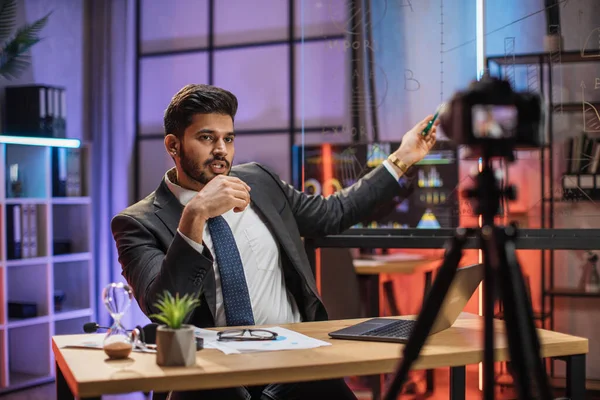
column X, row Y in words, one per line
column 30, row 32
column 13, row 67
column 8, row 16
column 13, row 61
column 174, row 309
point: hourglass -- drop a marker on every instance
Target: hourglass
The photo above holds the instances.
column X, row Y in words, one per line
column 117, row 342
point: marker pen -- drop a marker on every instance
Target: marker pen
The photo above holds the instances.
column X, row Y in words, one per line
column 430, row 123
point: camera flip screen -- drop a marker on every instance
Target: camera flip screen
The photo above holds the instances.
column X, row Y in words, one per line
column 494, row 121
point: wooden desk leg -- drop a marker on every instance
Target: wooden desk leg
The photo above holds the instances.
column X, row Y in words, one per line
column 429, row 373
column 458, row 382
column 62, row 389
column 390, row 298
column 576, row 376
column 375, row 383
column 63, row 392
column 370, row 288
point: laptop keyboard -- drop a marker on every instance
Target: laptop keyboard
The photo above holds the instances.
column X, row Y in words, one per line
column 398, row 329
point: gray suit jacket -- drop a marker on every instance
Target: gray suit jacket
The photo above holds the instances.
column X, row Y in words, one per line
column 154, row 257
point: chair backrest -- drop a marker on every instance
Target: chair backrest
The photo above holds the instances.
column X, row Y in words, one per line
column 340, row 289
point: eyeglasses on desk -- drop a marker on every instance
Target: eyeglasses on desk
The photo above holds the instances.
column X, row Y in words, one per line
column 246, row 335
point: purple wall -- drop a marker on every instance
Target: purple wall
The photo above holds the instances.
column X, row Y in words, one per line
column 59, row 59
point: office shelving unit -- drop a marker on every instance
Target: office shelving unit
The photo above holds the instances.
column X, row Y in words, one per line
column 540, row 68
column 61, row 266
column 541, row 75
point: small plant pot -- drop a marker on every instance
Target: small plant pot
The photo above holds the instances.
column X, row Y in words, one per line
column 175, row 347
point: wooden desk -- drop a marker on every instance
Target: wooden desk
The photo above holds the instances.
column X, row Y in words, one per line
column 397, row 263
column 86, row 373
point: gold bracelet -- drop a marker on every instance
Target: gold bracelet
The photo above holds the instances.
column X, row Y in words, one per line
column 398, row 163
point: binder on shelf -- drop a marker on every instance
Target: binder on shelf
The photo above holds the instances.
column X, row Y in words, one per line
column 29, row 230
column 33, row 230
column 583, row 154
column 581, row 187
column 74, row 173
column 35, row 110
column 66, row 172
column 13, row 232
column 25, row 232
column 595, row 153
column 21, row 231
column 59, row 171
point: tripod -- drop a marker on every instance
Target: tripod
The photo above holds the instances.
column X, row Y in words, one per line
column 502, row 272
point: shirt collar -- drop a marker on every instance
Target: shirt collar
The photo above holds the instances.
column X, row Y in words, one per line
column 182, row 194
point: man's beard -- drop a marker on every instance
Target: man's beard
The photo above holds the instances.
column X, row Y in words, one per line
column 198, row 173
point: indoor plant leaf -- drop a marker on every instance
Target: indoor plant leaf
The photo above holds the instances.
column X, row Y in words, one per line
column 13, row 61
column 8, row 15
column 172, row 310
column 13, row 67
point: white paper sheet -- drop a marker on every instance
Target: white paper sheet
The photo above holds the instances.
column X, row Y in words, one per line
column 96, row 341
column 286, row 340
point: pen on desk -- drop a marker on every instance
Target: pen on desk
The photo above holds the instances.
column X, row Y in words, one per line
column 430, row 123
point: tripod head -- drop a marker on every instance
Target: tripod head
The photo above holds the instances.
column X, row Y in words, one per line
column 492, row 121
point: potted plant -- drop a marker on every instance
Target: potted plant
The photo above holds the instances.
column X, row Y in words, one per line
column 13, row 52
column 175, row 341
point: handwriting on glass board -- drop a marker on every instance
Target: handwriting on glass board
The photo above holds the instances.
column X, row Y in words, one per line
column 406, row 3
column 410, row 83
column 345, row 45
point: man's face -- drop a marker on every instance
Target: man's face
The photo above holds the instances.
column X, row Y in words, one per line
column 207, row 147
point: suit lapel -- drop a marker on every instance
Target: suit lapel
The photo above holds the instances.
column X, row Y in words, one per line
column 169, row 210
column 170, row 216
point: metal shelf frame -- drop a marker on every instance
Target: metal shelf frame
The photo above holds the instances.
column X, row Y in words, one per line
column 545, row 63
column 527, row 239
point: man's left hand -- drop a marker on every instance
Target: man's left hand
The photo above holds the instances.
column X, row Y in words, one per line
column 414, row 145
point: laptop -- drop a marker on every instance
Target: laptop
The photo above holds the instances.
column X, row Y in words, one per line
column 466, row 281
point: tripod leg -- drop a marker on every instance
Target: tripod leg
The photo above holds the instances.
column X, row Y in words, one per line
column 523, row 341
column 490, row 261
column 429, row 311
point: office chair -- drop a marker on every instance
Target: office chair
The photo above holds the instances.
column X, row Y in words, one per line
column 340, row 289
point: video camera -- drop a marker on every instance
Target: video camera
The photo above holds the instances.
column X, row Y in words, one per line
column 492, row 120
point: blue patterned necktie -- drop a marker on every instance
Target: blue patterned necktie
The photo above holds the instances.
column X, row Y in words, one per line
column 238, row 309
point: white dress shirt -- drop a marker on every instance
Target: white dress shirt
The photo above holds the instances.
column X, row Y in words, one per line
column 271, row 302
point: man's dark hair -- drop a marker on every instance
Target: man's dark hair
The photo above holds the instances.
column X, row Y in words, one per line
column 197, row 99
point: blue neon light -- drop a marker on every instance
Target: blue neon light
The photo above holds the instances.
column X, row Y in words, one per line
column 40, row 141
